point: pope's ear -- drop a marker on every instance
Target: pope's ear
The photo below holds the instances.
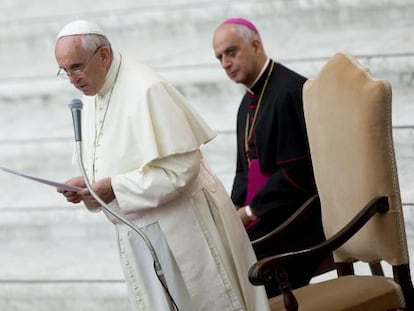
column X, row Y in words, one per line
column 105, row 54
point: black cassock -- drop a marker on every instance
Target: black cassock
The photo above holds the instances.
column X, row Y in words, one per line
column 271, row 132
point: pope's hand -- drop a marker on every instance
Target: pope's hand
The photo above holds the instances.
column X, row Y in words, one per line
column 102, row 188
column 73, row 196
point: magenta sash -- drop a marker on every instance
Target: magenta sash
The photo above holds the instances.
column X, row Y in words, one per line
column 255, row 180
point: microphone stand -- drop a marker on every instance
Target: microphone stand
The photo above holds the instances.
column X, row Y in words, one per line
column 157, row 264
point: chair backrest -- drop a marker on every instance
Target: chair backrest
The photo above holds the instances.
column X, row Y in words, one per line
column 348, row 119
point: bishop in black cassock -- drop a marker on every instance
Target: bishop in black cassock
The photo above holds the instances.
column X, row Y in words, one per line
column 277, row 147
column 274, row 175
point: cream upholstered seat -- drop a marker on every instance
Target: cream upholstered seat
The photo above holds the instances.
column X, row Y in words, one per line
column 348, row 120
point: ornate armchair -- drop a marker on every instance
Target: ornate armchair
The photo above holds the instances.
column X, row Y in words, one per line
column 348, row 119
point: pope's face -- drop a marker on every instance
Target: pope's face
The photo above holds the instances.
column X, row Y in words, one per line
column 238, row 57
column 86, row 70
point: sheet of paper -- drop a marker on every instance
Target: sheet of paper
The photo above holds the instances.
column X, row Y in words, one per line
column 41, row 180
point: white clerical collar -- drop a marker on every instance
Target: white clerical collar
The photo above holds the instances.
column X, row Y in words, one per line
column 111, row 75
column 248, row 89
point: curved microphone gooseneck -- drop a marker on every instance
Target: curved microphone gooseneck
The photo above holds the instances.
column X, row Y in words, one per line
column 76, row 108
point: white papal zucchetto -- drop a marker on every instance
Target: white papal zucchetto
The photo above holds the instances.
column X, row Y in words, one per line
column 80, row 27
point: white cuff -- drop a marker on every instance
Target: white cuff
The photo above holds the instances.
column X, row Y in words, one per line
column 248, row 211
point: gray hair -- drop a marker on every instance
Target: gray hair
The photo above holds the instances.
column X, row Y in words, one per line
column 90, row 42
column 246, row 33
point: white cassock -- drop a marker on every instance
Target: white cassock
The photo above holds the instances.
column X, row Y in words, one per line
column 140, row 131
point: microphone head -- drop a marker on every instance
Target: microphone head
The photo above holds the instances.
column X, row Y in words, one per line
column 76, row 110
column 75, row 103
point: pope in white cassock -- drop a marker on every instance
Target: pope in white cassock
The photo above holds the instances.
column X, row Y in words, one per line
column 141, row 153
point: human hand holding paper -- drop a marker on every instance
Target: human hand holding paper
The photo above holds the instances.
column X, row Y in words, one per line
column 58, row 185
column 74, row 196
column 102, row 188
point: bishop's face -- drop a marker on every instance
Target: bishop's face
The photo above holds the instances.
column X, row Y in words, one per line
column 239, row 58
column 86, row 70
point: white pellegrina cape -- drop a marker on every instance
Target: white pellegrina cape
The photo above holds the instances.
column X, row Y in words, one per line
column 142, row 133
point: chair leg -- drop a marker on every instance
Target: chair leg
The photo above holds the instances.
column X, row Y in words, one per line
column 403, row 277
column 289, row 300
column 345, row 268
column 376, row 268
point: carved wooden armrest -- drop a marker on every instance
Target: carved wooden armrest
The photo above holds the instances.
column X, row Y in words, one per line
column 263, row 271
column 290, row 225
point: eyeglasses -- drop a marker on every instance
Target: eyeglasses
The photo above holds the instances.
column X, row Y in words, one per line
column 77, row 70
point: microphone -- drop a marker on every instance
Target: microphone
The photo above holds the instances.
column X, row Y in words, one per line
column 76, row 108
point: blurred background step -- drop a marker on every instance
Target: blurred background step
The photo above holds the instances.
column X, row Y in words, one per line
column 290, row 29
column 55, row 244
column 63, row 296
